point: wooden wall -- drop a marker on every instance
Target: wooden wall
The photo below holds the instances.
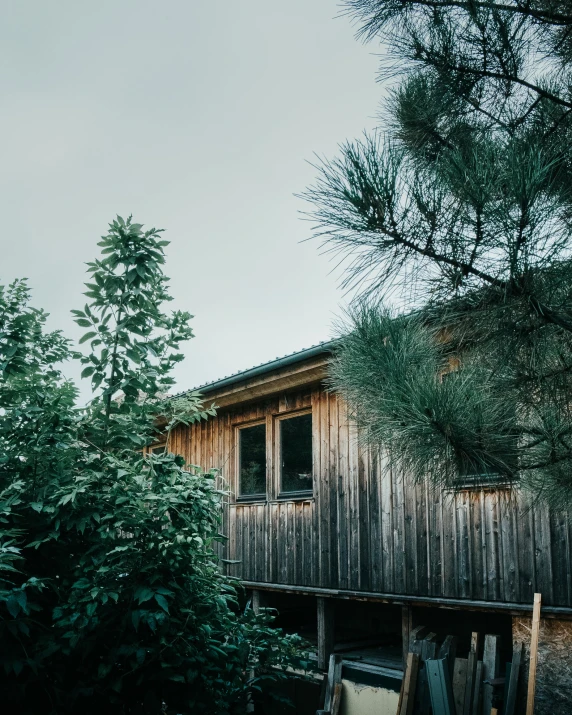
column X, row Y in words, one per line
column 369, row 529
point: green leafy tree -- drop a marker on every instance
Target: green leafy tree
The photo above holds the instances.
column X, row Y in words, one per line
column 459, row 212
column 111, row 596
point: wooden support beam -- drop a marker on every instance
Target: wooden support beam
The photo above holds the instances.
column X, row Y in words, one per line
column 533, row 654
column 490, row 670
column 325, row 631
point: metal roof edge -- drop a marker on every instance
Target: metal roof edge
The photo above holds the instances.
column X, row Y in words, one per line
column 314, row 351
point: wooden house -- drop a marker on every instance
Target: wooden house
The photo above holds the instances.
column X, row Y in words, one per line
column 352, row 552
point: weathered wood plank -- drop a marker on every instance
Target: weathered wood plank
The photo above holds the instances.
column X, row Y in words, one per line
column 490, row 670
column 460, row 683
column 533, row 654
column 408, row 686
column 510, row 704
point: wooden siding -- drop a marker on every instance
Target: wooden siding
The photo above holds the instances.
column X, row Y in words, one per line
column 368, row 528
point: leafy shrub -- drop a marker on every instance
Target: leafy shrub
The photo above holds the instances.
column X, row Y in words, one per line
column 111, row 597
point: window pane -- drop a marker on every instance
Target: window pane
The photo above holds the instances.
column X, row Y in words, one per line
column 252, row 460
column 296, row 452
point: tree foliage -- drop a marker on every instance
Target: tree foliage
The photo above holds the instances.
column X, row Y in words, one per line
column 460, row 210
column 111, row 596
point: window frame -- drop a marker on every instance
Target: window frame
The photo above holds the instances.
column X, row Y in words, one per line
column 277, row 455
column 261, row 496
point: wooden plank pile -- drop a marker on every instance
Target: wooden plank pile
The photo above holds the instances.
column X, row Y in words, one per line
column 436, row 682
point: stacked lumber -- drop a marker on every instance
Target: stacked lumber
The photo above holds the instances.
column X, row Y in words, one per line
column 436, row 682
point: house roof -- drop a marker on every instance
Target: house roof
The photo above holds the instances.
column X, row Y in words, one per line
column 322, row 348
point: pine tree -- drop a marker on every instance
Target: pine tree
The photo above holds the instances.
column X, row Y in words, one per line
column 456, row 220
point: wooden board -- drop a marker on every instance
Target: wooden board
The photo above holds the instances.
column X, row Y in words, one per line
column 510, row 704
column 471, row 674
column 460, row 683
column 533, row 654
column 490, row 670
column 408, row 686
column 334, row 677
column 477, row 690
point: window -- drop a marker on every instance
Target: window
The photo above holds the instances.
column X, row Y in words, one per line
column 159, row 449
column 252, row 461
column 296, row 454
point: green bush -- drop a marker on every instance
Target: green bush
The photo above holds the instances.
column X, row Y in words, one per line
column 111, row 597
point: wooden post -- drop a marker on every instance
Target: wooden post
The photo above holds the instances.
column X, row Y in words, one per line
column 533, row 654
column 325, row 631
column 406, row 628
column 490, row 670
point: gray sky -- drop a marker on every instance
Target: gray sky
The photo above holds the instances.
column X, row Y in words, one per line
column 197, row 116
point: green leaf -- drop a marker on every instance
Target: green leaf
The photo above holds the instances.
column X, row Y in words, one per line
column 162, row 601
column 13, row 605
column 142, row 594
column 87, row 336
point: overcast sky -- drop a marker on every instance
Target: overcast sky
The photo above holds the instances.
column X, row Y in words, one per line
column 199, row 117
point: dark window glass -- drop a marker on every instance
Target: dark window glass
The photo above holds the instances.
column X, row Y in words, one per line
column 296, row 452
column 252, row 460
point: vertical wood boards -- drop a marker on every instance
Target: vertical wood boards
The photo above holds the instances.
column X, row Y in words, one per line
column 368, row 527
column 533, row 655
